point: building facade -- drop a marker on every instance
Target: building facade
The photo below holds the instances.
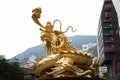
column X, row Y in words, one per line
column 116, row 4
column 108, row 39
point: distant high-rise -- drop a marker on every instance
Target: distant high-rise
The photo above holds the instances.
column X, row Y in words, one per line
column 108, row 38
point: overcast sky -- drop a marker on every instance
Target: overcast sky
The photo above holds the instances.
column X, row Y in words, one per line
column 18, row 31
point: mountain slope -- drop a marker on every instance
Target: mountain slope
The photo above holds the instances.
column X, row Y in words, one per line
column 37, row 51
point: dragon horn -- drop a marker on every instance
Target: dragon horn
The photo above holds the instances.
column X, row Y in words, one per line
column 60, row 24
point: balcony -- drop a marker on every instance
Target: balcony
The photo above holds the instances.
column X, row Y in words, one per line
column 109, row 41
column 109, row 34
column 108, row 20
column 108, row 31
column 111, row 25
column 108, row 27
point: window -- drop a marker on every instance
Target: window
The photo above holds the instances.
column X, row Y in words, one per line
column 108, row 14
column 110, row 24
column 108, row 7
column 107, row 0
column 118, row 65
column 108, row 20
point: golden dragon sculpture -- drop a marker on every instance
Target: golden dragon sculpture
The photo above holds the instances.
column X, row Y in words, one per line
column 61, row 58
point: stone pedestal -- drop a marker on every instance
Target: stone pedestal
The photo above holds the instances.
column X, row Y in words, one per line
column 70, row 78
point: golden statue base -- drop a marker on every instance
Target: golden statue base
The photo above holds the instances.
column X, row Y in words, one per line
column 70, row 78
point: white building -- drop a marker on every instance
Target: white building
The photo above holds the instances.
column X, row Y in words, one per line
column 102, row 69
column 86, row 47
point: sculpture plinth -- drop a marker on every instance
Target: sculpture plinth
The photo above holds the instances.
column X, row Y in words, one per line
column 70, row 78
column 62, row 60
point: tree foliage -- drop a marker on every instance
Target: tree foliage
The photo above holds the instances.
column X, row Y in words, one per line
column 10, row 70
column 105, row 76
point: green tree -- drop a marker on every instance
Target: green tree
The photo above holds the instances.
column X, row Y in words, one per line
column 105, row 76
column 10, row 70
